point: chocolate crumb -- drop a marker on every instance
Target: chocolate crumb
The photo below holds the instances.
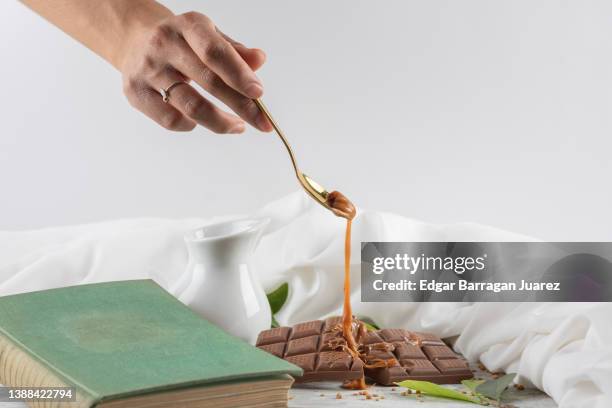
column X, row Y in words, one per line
column 338, row 396
column 392, row 389
column 519, row 387
column 322, row 395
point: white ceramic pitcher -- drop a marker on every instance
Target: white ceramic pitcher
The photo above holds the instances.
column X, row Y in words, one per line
column 219, row 283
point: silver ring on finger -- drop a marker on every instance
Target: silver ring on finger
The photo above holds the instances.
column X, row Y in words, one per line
column 165, row 92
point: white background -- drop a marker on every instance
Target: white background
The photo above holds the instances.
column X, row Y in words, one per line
column 486, row 111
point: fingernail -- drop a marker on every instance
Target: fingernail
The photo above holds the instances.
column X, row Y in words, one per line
column 254, row 90
column 239, row 128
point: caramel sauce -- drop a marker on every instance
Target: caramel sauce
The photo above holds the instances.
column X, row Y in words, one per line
column 347, row 312
column 342, row 207
column 380, row 363
column 353, row 331
column 358, row 384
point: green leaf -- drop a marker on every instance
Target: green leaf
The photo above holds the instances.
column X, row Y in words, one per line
column 369, row 323
column 274, row 323
column 472, row 384
column 439, row 391
column 495, row 388
column 278, row 297
column 370, row 327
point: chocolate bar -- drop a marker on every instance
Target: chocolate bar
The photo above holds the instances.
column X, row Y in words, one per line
column 386, row 356
column 411, row 356
column 316, row 347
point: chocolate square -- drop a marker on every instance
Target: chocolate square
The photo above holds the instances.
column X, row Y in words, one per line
column 419, row 367
column 452, row 366
column 275, row 335
column 306, row 361
column 371, row 337
column 408, row 351
column 306, row 329
column 394, row 335
column 425, row 339
column 305, row 345
column 334, row 361
column 439, row 352
column 277, row 349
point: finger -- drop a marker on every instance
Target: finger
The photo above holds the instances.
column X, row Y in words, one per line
column 185, row 61
column 149, row 102
column 193, row 105
column 254, row 57
column 222, row 58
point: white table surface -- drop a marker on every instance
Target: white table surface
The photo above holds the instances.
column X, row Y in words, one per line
column 324, row 395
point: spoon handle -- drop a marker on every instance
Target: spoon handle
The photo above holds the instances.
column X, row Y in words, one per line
column 280, row 134
column 312, row 188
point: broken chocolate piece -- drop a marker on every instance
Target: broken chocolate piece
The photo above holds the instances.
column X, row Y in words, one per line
column 416, row 356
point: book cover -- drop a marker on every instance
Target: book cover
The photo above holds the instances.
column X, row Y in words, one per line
column 119, row 339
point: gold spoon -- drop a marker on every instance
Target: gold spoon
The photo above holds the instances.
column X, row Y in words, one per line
column 314, row 189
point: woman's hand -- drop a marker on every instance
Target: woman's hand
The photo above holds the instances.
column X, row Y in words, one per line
column 184, row 48
column 154, row 49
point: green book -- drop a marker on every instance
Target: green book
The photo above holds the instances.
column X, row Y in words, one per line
column 132, row 344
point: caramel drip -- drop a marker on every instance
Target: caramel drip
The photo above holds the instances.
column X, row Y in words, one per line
column 347, row 313
column 358, row 384
column 342, row 207
column 380, row 363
